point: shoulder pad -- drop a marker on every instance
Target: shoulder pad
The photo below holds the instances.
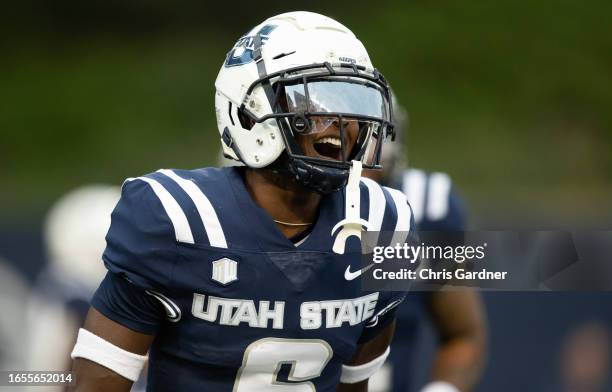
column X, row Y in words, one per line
column 434, row 200
column 428, row 193
column 140, row 243
column 388, row 210
column 193, row 217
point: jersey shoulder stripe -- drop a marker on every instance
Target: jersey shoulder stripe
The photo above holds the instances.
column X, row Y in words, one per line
column 190, row 211
column 404, row 216
column 414, row 186
column 388, row 210
column 429, row 194
column 186, row 204
column 182, row 229
column 438, row 195
column 205, row 209
column 376, row 205
column 404, row 213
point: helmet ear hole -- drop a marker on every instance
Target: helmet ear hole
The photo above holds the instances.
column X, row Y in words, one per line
column 245, row 121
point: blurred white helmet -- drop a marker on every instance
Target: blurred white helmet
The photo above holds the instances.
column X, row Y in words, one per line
column 75, row 231
column 282, row 76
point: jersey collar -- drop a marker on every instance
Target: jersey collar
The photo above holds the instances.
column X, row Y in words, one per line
column 269, row 237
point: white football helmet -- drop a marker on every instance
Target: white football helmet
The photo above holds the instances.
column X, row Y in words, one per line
column 75, row 231
column 289, row 73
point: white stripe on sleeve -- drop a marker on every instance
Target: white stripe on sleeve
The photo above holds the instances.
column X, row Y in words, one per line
column 414, row 189
column 402, row 226
column 179, row 221
column 377, row 204
column 438, row 196
column 205, row 209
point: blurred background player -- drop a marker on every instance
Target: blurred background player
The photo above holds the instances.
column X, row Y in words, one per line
column 454, row 352
column 74, row 232
column 14, row 291
column 585, row 360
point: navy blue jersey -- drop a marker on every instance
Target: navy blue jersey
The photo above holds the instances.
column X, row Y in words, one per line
column 234, row 304
column 434, row 200
column 436, row 206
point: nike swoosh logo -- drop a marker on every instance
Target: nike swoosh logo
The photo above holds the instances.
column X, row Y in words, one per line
column 374, row 320
column 348, row 275
column 173, row 312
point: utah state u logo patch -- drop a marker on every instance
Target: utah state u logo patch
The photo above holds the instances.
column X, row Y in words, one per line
column 242, row 52
column 224, row 271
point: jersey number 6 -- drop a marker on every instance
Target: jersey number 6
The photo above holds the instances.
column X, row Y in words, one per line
column 263, row 359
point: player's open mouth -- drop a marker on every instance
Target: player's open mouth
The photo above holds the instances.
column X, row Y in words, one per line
column 329, row 147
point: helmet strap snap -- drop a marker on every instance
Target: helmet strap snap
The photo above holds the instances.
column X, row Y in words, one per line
column 300, row 124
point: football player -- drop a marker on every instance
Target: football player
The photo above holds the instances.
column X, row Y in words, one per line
column 74, row 231
column 457, row 315
column 248, row 278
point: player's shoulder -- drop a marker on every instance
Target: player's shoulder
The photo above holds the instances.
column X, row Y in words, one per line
column 434, row 198
column 388, row 208
column 210, row 177
column 186, row 202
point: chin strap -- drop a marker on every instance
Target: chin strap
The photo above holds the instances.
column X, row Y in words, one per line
column 352, row 224
column 321, row 179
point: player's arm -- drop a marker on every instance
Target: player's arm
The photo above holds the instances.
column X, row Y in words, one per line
column 368, row 358
column 91, row 375
column 460, row 320
column 110, row 350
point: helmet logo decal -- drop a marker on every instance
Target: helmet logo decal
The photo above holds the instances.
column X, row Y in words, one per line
column 348, row 60
column 242, row 52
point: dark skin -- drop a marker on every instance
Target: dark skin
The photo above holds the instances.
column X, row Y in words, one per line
column 93, row 377
column 460, row 322
column 366, row 353
column 285, row 200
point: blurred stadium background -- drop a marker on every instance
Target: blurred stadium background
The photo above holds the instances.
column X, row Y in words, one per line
column 512, row 99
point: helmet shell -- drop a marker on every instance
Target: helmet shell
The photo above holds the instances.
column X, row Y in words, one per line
column 288, row 40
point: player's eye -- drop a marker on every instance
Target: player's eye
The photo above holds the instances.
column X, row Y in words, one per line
column 345, row 124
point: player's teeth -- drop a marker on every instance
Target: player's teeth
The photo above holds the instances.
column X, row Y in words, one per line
column 331, row 140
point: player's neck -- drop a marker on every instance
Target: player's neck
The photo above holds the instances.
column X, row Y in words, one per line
column 285, row 200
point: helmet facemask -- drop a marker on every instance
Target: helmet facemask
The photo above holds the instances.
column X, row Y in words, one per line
column 329, row 116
